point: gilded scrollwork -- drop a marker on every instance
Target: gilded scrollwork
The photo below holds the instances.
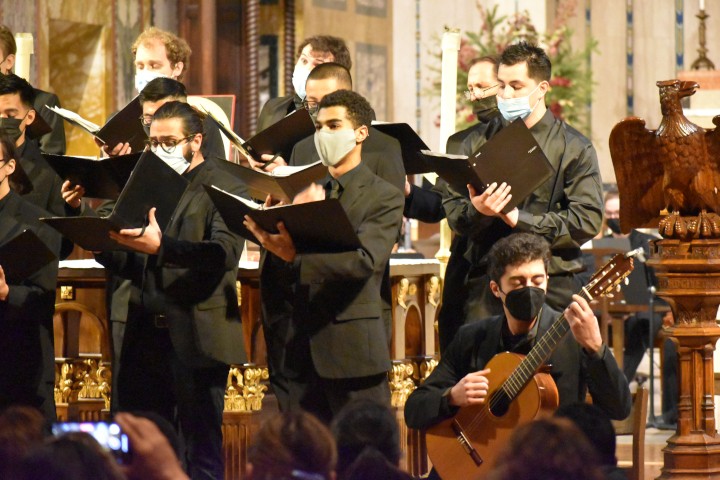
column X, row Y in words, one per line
column 244, row 391
column 401, row 382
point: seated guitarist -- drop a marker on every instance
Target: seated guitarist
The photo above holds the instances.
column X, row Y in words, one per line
column 581, row 361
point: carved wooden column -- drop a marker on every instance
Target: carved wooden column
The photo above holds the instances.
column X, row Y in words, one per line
column 689, row 279
column 252, row 42
column 289, row 46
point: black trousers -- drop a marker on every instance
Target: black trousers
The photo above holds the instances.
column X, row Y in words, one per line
column 151, row 377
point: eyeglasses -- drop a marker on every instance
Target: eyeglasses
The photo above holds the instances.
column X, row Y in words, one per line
column 311, row 107
column 168, row 145
column 472, row 92
column 146, row 120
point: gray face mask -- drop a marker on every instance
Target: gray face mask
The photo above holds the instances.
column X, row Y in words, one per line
column 333, row 146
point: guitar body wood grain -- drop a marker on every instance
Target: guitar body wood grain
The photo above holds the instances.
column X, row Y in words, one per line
column 486, row 432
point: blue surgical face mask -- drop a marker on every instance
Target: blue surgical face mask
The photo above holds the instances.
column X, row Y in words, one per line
column 514, row 108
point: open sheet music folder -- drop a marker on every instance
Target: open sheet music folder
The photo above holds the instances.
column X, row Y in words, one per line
column 23, row 255
column 152, row 184
column 512, row 155
column 122, row 127
column 315, row 227
column 283, row 183
column 100, row 177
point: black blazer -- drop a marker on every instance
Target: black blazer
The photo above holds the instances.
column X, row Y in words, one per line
column 26, row 317
column 53, row 142
column 275, row 109
column 46, row 183
column 194, row 274
column 334, row 298
column 573, row 370
column 380, row 153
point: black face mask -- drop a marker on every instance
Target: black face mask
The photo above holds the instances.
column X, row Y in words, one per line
column 525, row 303
column 10, row 127
column 485, row 108
column 614, row 225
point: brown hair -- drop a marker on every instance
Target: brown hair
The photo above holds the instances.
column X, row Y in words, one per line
column 177, row 49
column 292, row 441
column 328, row 44
column 7, row 41
column 547, row 449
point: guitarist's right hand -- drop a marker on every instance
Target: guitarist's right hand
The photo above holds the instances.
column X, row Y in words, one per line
column 471, row 390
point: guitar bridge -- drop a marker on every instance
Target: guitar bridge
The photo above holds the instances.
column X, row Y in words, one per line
column 467, row 446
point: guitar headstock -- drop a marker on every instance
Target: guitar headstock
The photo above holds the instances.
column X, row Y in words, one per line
column 611, row 274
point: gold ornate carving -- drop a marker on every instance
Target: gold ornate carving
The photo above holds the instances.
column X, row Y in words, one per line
column 426, row 367
column 238, row 288
column 82, row 378
column 67, row 292
column 401, row 382
column 244, row 392
column 433, row 291
column 403, row 288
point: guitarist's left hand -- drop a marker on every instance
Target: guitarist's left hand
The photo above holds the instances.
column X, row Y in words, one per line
column 584, row 325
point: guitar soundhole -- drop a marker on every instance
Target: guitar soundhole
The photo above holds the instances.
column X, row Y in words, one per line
column 499, row 403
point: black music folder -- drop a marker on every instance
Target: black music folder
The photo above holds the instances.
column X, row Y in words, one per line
column 315, row 227
column 124, row 126
column 39, row 127
column 512, row 155
column 101, row 177
column 23, row 255
column 410, row 143
column 151, row 184
column 282, row 135
column 283, row 183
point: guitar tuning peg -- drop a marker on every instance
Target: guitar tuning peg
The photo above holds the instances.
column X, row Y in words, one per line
column 627, row 281
column 617, row 288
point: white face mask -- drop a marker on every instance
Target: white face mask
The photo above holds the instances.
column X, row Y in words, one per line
column 333, row 146
column 514, row 108
column 299, row 77
column 175, row 160
column 143, row 77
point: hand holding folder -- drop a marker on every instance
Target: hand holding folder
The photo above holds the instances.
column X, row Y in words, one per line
column 315, row 227
column 151, row 184
column 512, row 156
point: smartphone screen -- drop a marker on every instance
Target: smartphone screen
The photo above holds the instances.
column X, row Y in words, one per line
column 108, row 435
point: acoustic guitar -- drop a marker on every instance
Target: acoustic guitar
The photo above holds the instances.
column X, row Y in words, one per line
column 465, row 446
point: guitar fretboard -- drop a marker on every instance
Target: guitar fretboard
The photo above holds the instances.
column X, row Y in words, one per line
column 538, row 355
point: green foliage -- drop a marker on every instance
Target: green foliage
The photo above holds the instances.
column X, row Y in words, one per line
column 571, row 83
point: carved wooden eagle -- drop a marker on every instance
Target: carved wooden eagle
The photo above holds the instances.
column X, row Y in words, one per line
column 670, row 173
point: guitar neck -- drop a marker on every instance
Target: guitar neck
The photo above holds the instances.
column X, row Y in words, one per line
column 539, row 354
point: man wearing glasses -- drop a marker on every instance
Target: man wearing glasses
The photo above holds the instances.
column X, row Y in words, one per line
column 426, row 204
column 183, row 323
column 566, row 210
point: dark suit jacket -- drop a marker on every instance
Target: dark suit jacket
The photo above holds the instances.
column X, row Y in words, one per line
column 53, row 142
column 275, row 109
column 193, row 275
column 46, row 183
column 476, row 344
column 26, row 317
column 335, row 297
column 380, row 153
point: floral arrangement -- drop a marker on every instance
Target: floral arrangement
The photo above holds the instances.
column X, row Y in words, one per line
column 571, row 83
